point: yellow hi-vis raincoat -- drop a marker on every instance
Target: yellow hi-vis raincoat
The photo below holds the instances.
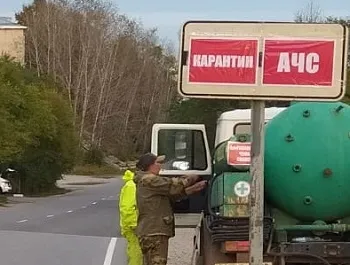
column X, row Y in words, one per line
column 128, row 218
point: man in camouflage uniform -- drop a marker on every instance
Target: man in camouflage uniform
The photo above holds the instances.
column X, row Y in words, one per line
column 156, row 222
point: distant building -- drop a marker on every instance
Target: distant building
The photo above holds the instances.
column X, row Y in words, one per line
column 12, row 40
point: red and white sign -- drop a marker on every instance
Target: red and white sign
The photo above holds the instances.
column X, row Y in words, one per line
column 223, row 61
column 238, row 153
column 263, row 61
column 298, row 62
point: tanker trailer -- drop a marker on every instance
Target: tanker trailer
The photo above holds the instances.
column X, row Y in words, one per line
column 307, row 202
column 307, row 180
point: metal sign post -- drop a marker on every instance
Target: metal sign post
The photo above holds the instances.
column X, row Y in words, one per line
column 256, row 221
column 260, row 61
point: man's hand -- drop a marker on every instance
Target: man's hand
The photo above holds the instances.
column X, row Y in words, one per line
column 196, row 187
column 192, row 179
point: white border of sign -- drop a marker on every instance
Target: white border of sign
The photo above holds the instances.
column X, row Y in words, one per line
column 262, row 31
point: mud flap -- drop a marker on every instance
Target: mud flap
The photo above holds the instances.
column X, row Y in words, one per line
column 196, row 258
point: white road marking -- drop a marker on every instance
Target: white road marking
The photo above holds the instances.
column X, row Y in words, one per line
column 110, row 251
column 110, row 196
column 83, row 207
column 103, row 199
column 70, row 211
column 50, row 215
column 94, row 203
column 22, row 221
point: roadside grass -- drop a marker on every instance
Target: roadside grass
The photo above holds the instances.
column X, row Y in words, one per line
column 103, row 171
column 52, row 192
column 85, row 183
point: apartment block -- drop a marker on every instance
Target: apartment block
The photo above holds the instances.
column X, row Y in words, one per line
column 12, row 39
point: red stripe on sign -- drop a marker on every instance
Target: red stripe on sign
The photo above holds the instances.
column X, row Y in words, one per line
column 223, row 61
column 298, row 62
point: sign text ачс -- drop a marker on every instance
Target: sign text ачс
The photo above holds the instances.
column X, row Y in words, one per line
column 298, row 62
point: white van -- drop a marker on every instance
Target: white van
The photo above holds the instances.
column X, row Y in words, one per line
column 5, row 186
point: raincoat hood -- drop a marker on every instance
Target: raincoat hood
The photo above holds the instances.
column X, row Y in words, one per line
column 128, row 175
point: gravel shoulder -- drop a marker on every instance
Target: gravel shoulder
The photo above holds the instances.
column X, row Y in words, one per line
column 181, row 246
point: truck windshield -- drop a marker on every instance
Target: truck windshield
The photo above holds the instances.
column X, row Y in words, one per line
column 241, row 128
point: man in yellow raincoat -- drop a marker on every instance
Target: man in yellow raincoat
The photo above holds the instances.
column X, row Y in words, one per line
column 128, row 218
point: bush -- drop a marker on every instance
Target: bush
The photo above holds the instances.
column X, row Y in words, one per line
column 36, row 128
column 95, row 170
column 94, row 156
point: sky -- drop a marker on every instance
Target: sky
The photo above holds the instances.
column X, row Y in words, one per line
column 168, row 15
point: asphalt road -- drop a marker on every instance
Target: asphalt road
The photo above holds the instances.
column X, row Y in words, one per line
column 78, row 228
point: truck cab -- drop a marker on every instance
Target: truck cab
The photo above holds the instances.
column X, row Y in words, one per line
column 187, row 150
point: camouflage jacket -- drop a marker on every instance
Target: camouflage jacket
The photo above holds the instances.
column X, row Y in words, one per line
column 153, row 197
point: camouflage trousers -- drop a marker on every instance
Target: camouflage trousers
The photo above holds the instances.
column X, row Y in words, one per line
column 154, row 250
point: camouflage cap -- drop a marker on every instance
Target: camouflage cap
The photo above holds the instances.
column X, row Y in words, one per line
column 147, row 160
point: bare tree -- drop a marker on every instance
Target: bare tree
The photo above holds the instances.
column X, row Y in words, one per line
column 311, row 13
column 117, row 75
